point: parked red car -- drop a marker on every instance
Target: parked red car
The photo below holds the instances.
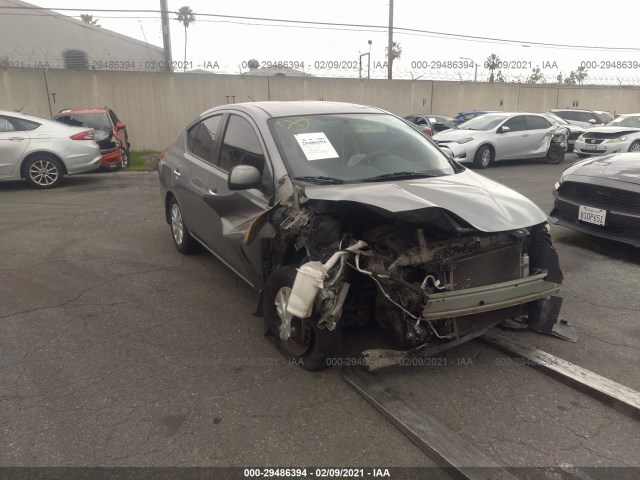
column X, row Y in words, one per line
column 111, row 133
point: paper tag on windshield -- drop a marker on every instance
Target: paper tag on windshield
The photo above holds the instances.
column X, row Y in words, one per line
column 316, row 146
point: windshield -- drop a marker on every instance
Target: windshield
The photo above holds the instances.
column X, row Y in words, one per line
column 355, row 147
column 554, row 118
column 99, row 121
column 630, row 122
column 484, row 122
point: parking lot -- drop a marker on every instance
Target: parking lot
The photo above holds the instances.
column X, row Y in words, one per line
column 117, row 350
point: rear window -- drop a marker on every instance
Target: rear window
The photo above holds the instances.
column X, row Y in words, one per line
column 99, row 121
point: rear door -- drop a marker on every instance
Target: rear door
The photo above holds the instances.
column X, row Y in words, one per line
column 515, row 142
column 190, row 175
column 235, row 211
column 13, row 143
column 540, row 131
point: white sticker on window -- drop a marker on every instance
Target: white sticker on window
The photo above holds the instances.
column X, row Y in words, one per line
column 316, row 146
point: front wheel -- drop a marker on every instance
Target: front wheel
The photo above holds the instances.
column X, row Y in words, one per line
column 635, row 146
column 43, row 172
column 124, row 157
column 299, row 339
column 555, row 156
column 483, row 157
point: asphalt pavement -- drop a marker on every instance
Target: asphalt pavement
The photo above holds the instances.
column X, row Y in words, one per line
column 115, row 350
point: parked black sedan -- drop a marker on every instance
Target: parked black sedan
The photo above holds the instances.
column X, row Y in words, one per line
column 601, row 196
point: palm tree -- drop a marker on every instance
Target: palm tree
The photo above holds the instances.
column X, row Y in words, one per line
column 536, row 76
column 581, row 75
column 186, row 17
column 492, row 62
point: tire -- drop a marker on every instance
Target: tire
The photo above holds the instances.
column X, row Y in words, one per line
column 180, row 234
column 308, row 345
column 43, row 172
column 124, row 156
column 554, row 156
column 635, row 146
column 484, row 157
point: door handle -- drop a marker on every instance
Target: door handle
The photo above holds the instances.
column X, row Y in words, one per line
column 177, row 173
column 212, row 191
column 525, row 135
column 16, row 139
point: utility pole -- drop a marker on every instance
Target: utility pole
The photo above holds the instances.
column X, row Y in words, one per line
column 166, row 36
column 390, row 47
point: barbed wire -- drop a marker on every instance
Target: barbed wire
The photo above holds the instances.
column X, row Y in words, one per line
column 39, row 57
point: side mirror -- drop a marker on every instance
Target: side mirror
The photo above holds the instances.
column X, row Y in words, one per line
column 504, row 129
column 592, row 121
column 243, row 177
column 121, row 126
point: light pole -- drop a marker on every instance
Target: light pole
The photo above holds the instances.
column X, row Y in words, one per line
column 475, row 75
column 368, row 55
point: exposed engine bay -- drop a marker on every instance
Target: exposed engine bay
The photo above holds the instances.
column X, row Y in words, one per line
column 426, row 276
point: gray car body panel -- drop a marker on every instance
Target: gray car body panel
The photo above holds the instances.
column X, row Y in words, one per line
column 466, row 194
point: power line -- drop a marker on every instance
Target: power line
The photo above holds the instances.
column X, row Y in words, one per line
column 453, row 36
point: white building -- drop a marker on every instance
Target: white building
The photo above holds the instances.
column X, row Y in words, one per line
column 33, row 37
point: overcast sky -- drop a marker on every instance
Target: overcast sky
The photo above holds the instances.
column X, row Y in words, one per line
column 232, row 42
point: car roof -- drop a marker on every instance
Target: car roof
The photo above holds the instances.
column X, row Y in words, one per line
column 285, row 109
column 82, row 110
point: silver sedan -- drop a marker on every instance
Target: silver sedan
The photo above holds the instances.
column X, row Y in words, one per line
column 498, row 136
column 44, row 151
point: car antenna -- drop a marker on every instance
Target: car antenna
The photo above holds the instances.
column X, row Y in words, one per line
column 24, row 105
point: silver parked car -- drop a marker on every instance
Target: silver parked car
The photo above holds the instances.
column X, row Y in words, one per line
column 341, row 214
column 584, row 118
column 44, row 151
column 619, row 136
column 498, row 136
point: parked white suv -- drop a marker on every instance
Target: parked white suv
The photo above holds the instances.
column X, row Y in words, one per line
column 584, row 118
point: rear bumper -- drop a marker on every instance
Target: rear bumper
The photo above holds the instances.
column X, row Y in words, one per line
column 458, row 303
column 93, row 163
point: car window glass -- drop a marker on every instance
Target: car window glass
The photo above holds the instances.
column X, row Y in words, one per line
column 202, row 137
column 241, row 146
column 99, row 121
column 6, row 126
column 516, row 124
column 586, row 116
column 537, row 123
column 422, row 121
column 26, row 125
column 568, row 115
column 114, row 117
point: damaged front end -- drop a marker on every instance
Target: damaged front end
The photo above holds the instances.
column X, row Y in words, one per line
column 427, row 277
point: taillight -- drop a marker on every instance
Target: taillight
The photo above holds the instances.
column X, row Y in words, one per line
column 82, row 136
column 428, row 131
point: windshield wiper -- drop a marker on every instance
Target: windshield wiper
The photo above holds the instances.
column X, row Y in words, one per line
column 399, row 175
column 320, row 180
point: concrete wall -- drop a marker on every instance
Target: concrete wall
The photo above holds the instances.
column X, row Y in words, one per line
column 157, row 106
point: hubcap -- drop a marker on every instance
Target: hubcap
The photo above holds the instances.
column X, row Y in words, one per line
column 124, row 157
column 635, row 147
column 43, row 172
column 177, row 226
column 486, row 157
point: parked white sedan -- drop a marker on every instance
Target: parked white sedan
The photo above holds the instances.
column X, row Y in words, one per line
column 498, row 136
column 44, row 151
column 620, row 135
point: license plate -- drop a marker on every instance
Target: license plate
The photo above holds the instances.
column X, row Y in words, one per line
column 592, row 215
column 591, row 147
